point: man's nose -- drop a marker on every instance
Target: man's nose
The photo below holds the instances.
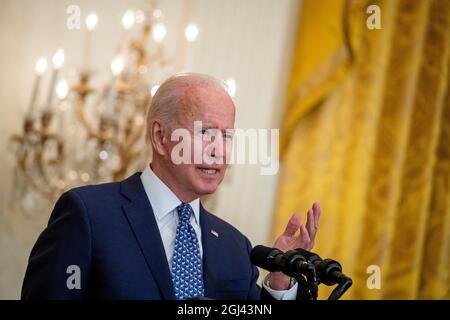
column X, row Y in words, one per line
column 215, row 149
column 217, row 152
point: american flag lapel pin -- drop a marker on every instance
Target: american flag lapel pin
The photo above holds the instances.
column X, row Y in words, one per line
column 215, row 233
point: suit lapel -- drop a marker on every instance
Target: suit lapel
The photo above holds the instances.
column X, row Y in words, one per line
column 142, row 220
column 211, row 249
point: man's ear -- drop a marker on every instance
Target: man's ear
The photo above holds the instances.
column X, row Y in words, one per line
column 157, row 137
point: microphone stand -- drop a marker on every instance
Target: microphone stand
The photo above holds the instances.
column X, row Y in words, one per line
column 343, row 285
column 303, row 292
column 293, row 257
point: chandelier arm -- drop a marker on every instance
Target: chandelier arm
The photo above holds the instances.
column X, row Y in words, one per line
column 81, row 114
column 40, row 161
column 37, row 187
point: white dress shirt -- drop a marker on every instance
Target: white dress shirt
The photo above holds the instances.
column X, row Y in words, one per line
column 164, row 204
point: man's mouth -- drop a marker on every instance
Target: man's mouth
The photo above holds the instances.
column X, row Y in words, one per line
column 209, row 171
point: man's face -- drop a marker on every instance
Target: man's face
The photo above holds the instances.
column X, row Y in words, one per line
column 216, row 111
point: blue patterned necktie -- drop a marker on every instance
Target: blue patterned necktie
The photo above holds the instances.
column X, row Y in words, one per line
column 187, row 273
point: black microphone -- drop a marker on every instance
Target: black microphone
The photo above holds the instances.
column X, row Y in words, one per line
column 329, row 273
column 273, row 260
column 291, row 263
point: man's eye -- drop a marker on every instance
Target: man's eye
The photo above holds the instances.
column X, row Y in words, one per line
column 201, row 132
column 206, row 134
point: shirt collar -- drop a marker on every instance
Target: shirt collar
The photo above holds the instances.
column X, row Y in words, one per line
column 162, row 199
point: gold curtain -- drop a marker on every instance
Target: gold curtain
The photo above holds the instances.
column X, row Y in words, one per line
column 366, row 133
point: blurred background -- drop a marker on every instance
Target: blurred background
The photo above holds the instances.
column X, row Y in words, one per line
column 359, row 90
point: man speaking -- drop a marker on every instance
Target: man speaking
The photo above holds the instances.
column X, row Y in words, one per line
column 149, row 237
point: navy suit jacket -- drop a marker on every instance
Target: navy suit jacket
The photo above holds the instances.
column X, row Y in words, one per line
column 109, row 231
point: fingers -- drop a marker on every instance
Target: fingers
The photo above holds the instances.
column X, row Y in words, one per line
column 304, row 236
column 310, row 224
column 293, row 225
column 313, row 220
column 316, row 214
column 308, row 231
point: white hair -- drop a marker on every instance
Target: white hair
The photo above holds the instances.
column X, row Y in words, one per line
column 171, row 95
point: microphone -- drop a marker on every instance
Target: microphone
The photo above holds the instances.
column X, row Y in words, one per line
column 274, row 260
column 291, row 263
column 329, row 273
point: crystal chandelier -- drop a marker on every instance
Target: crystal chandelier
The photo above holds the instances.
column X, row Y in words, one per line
column 87, row 134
